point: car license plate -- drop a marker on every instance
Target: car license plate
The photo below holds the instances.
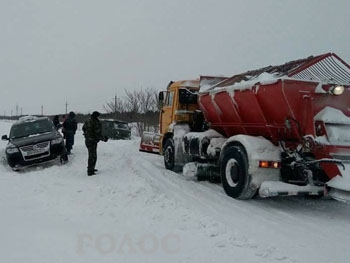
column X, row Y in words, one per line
column 34, row 152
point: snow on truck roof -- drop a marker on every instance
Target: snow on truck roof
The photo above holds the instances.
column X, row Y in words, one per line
column 325, row 68
column 185, row 83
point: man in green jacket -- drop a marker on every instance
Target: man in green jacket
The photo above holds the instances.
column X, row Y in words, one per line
column 92, row 129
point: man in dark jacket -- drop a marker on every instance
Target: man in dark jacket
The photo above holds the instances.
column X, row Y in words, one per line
column 92, row 129
column 69, row 129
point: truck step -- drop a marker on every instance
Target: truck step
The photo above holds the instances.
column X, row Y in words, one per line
column 340, row 195
column 276, row 188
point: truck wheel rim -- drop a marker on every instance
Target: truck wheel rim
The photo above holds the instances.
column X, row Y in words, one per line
column 231, row 173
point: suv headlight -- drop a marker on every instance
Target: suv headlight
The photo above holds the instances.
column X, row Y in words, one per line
column 10, row 149
column 57, row 141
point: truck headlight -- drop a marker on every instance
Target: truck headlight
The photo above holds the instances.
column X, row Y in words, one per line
column 337, row 90
column 57, row 141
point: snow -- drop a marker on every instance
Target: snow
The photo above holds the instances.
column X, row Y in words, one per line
column 206, row 84
column 332, row 115
column 190, row 169
column 337, row 125
column 190, row 84
column 264, row 79
column 341, row 181
column 272, row 188
column 216, row 140
column 215, row 145
column 27, row 118
column 134, row 210
column 201, row 135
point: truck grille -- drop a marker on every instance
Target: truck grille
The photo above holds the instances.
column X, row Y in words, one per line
column 35, row 151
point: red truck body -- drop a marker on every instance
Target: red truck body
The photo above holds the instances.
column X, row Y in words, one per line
column 264, row 109
column 279, row 130
column 285, row 108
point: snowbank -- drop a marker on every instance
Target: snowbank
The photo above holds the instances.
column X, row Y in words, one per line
column 134, row 210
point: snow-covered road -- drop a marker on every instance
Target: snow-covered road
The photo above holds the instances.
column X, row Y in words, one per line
column 136, row 211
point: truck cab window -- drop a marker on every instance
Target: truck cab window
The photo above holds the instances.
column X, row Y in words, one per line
column 169, row 99
column 187, row 97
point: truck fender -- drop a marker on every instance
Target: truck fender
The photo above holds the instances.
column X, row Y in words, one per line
column 256, row 149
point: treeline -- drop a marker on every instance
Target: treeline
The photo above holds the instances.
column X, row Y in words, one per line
column 139, row 107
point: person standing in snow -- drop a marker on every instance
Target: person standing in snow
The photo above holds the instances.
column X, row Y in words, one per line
column 69, row 129
column 92, row 129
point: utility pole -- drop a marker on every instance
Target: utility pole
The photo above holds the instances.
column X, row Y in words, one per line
column 42, row 110
column 17, row 109
column 115, row 104
column 21, row 111
column 66, row 107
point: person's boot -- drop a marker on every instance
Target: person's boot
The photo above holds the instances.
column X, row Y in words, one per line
column 90, row 173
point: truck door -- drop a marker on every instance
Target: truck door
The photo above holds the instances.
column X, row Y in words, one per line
column 167, row 112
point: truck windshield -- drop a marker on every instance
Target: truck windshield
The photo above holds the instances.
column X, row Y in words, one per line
column 26, row 129
column 187, row 97
column 338, row 134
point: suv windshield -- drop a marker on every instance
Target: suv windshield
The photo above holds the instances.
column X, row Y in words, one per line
column 120, row 125
column 26, row 129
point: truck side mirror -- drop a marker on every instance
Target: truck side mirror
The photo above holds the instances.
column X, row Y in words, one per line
column 4, row 138
column 161, row 97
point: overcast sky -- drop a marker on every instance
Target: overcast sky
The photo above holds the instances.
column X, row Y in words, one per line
column 86, row 51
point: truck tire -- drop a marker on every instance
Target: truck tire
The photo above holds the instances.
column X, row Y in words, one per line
column 234, row 173
column 169, row 154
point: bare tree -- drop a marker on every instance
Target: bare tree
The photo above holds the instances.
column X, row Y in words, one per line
column 115, row 106
column 138, row 106
column 133, row 100
column 148, row 100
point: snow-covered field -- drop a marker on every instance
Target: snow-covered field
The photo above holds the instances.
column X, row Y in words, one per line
column 136, row 211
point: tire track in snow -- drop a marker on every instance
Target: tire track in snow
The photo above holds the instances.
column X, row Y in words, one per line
column 193, row 195
column 294, row 218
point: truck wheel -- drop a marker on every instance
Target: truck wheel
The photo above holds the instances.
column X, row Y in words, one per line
column 169, row 154
column 234, row 173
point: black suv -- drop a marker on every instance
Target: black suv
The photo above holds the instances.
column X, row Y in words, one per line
column 33, row 140
column 115, row 129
